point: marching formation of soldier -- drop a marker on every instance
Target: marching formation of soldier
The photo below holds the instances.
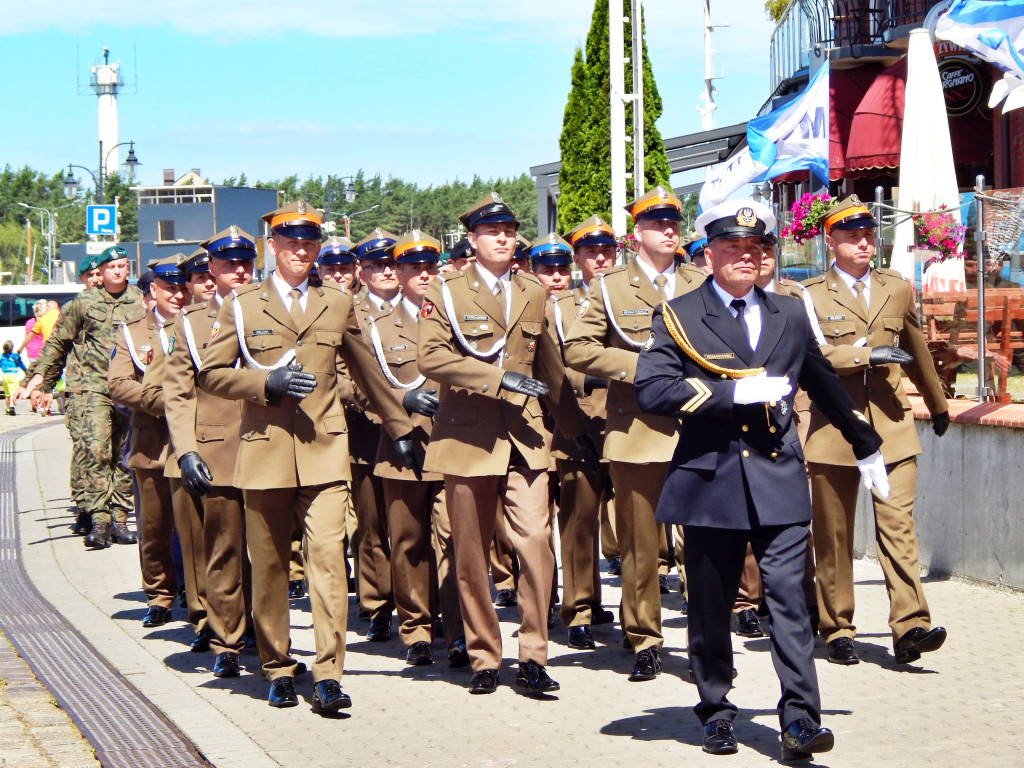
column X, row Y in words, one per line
column 437, row 423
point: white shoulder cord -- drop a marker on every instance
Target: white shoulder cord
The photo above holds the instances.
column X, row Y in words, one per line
column 286, row 358
column 131, row 348
column 812, row 315
column 378, row 350
column 558, row 324
column 611, row 316
column 446, row 299
column 190, row 342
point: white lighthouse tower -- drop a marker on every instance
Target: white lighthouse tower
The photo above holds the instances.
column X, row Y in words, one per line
column 106, row 81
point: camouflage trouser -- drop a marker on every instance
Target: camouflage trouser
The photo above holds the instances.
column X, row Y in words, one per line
column 73, row 421
column 107, row 488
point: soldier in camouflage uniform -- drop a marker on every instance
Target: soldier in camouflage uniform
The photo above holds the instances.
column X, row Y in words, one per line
column 87, row 331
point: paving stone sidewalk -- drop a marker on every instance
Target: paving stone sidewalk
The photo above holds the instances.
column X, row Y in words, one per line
column 961, row 706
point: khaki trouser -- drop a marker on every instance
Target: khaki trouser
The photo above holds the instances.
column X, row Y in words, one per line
column 156, row 525
column 188, row 522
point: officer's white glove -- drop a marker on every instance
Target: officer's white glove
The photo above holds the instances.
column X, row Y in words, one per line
column 761, row 389
column 873, row 474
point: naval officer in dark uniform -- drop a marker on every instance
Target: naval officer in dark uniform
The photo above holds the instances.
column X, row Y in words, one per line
column 726, row 359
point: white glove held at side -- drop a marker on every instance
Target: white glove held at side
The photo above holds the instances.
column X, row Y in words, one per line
column 761, row 389
column 873, row 474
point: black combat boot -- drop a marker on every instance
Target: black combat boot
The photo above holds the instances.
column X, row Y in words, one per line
column 121, row 535
column 99, row 536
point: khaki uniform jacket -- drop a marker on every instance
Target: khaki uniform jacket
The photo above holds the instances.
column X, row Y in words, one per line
column 478, row 423
column 364, row 432
column 876, row 392
column 148, row 449
column 593, row 347
column 197, row 420
column 398, row 352
column 286, row 442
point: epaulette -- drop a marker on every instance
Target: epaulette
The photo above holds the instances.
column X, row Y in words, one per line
column 890, row 273
column 248, row 288
column 787, row 281
column 194, row 307
column 333, row 286
column 136, row 316
column 698, row 274
column 614, row 271
column 813, row 280
column 446, row 276
column 528, row 277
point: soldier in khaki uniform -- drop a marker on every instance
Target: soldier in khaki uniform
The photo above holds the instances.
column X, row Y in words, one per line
column 379, row 274
column 337, row 262
column 204, row 433
column 871, row 334
column 292, row 462
column 582, row 491
column 422, row 559
column 482, row 336
column 605, row 342
column 134, row 351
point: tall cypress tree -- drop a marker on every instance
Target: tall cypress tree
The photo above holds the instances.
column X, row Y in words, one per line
column 584, row 181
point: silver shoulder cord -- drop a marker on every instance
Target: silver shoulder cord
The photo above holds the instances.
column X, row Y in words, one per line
column 449, row 308
column 286, row 358
column 131, row 346
column 190, row 342
column 378, row 350
column 812, row 316
column 558, row 324
column 611, row 316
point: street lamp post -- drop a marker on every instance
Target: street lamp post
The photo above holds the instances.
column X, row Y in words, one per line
column 346, row 217
column 49, row 229
column 131, row 162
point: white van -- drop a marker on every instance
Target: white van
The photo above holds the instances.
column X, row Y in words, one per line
column 16, row 306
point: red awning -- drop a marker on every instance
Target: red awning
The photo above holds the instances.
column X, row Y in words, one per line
column 877, row 124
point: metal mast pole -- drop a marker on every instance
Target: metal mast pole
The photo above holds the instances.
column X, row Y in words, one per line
column 617, row 87
column 638, row 98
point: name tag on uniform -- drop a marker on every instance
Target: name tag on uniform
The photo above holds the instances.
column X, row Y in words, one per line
column 399, row 348
column 475, row 318
column 635, row 312
column 830, row 318
column 263, row 332
column 720, row 356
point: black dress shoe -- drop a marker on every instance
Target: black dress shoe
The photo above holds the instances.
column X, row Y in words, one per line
column 249, row 638
column 615, row 566
column 120, row 534
column 663, row 584
column 296, row 589
column 98, row 537
column 201, row 642
column 226, row 665
column 747, row 624
column 506, row 598
column 532, row 680
column 418, row 654
column 328, row 697
column 804, row 736
column 437, row 630
column 647, row 665
column 282, row 693
column 380, row 629
column 599, row 615
column 300, row 669
column 581, row 638
column 156, row 616
column 458, row 656
column 484, row 681
column 719, row 738
column 917, row 641
column 83, row 524
column 841, row 651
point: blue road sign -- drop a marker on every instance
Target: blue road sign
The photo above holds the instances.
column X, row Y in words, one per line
column 101, row 219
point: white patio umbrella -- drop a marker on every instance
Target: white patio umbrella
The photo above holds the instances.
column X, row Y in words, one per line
column 927, row 177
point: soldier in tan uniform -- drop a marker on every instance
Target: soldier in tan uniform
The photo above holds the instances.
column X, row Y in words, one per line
column 133, row 352
column 582, row 491
column 379, row 274
column 605, row 343
column 868, row 319
column 337, row 262
column 204, row 433
column 482, row 337
column 292, row 461
column 422, row 560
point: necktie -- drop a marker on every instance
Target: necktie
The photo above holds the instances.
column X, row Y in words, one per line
column 739, row 305
column 858, row 288
column 295, row 310
column 385, row 306
column 659, row 282
column 497, row 290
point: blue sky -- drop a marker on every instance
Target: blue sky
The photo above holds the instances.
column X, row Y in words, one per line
column 424, row 90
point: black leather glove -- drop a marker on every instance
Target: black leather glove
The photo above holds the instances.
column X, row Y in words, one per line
column 524, row 385
column 885, row 355
column 405, row 449
column 940, row 423
column 195, row 475
column 588, row 448
column 590, row 383
column 290, row 381
column 421, row 401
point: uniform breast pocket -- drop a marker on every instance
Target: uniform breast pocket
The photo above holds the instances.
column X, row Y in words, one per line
column 839, row 332
column 209, row 433
column 893, row 327
column 326, row 351
column 636, row 325
column 253, row 431
column 265, row 348
column 531, row 332
column 479, row 334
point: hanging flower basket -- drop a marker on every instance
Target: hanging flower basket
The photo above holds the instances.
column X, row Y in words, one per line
column 940, row 235
column 807, row 212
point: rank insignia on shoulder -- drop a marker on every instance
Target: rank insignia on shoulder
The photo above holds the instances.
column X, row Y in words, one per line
column 650, row 341
column 214, row 330
column 830, row 318
column 584, row 306
column 427, row 309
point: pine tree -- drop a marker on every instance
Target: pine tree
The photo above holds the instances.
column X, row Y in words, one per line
column 584, row 180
